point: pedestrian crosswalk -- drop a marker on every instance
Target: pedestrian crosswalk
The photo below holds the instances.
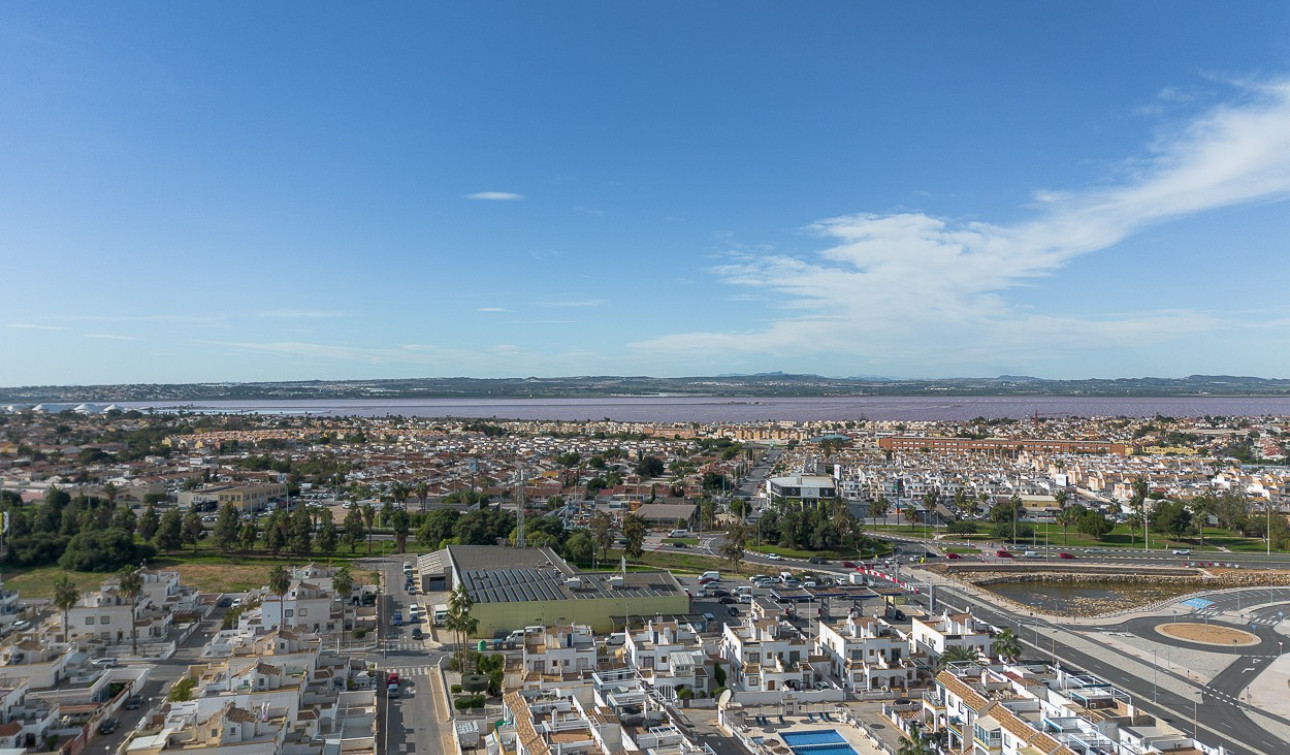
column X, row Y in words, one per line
column 409, row 671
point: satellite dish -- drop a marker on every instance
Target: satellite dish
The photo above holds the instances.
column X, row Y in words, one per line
column 725, row 698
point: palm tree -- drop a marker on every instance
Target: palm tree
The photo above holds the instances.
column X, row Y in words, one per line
column 342, row 582
column 423, row 491
column 917, row 743
column 279, row 581
column 66, row 595
column 732, row 548
column 880, row 508
column 459, row 621
column 369, row 516
column 1201, row 508
column 130, row 584
column 956, row 654
column 1006, row 644
column 1068, row 517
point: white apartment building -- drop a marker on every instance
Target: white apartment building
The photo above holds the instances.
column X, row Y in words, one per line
column 866, row 654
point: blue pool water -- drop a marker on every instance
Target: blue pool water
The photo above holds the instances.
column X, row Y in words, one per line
column 829, row 749
column 799, row 738
column 817, row 743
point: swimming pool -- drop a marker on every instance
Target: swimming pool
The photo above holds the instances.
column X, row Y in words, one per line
column 820, row 742
column 820, row 737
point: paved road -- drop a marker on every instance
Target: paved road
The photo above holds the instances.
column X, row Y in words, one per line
column 1217, row 713
column 412, row 722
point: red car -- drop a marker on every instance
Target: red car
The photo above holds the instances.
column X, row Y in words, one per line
column 1065, row 555
column 953, row 556
column 392, row 677
column 848, row 565
column 1003, row 554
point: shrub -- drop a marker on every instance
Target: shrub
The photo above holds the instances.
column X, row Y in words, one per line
column 467, row 702
column 360, row 632
column 455, row 689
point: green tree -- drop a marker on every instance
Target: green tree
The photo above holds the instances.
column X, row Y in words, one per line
column 66, row 595
column 1006, row 645
column 125, row 520
column 401, row 523
column 170, row 532
column 603, row 531
column 634, row 530
column 353, row 529
column 130, row 584
column 279, row 581
column 149, row 522
column 1173, row 518
column 1202, row 507
column 247, row 536
column 879, row 508
column 916, row 742
column 437, row 526
column 300, row 533
column 956, row 654
column 275, row 534
column 1094, row 524
column 459, row 620
column 227, row 528
column 103, row 551
column 327, row 540
column 1070, row 516
column 192, row 530
column 369, row 518
column 734, row 544
column 342, row 582
column 580, row 548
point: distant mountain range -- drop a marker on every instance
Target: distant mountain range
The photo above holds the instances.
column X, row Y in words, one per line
column 770, row 384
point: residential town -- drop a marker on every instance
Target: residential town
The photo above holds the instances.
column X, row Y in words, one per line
column 398, row 585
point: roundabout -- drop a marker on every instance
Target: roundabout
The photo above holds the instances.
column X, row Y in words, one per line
column 1220, row 635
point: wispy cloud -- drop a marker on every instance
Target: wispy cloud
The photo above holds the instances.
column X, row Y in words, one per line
column 496, row 196
column 909, row 283
column 491, row 309
column 111, row 337
column 33, row 326
column 578, row 303
column 302, row 314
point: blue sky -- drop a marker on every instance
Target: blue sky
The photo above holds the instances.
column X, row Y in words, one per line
column 240, row 191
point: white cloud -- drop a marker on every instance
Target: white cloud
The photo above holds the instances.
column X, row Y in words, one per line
column 577, row 303
column 934, row 289
column 491, row 309
column 111, row 337
column 496, row 196
column 302, row 314
column 32, row 326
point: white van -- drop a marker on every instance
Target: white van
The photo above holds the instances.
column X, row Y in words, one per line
column 710, row 576
column 743, row 589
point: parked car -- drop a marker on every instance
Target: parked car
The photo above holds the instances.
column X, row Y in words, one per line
column 417, row 634
column 224, row 602
column 392, row 689
column 134, row 703
column 392, row 678
column 726, row 600
column 398, row 618
column 109, row 725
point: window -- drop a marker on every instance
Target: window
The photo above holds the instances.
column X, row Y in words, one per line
column 304, row 612
column 290, row 613
column 105, row 620
column 89, row 621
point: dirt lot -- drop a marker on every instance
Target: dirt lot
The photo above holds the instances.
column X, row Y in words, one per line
column 1208, row 634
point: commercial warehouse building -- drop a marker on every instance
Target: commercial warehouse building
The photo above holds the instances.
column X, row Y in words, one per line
column 517, row 587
